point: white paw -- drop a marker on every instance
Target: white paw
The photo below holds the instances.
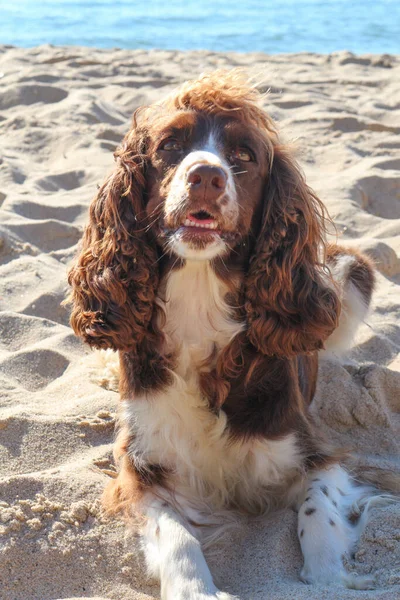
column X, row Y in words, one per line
column 217, row 596
column 193, row 593
column 358, row 582
column 337, row 577
column 322, row 573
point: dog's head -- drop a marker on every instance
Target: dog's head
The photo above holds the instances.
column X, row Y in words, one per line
column 207, row 161
column 204, row 176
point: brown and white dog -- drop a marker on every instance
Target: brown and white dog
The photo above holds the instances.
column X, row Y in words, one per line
column 204, row 264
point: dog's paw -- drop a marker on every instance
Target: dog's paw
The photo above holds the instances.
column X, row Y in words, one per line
column 216, row 596
column 358, row 582
column 194, row 593
column 338, row 577
column 315, row 573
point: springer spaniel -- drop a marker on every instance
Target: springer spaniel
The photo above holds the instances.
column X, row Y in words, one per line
column 204, row 264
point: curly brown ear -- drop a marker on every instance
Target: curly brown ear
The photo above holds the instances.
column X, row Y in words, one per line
column 290, row 300
column 115, row 276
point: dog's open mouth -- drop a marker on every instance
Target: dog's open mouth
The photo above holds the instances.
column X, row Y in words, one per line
column 201, row 222
column 201, row 228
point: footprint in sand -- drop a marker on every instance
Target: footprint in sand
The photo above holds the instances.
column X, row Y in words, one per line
column 48, row 306
column 35, row 369
column 69, row 180
column 109, row 139
column 391, row 164
column 40, row 211
column 31, row 94
column 101, row 112
column 11, row 174
column 379, row 196
column 27, row 278
column 41, row 78
column 383, row 255
column 19, row 331
column 49, row 235
column 20, row 433
column 110, row 135
column 290, row 104
column 350, row 124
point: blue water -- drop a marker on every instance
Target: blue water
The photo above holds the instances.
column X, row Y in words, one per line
column 249, row 25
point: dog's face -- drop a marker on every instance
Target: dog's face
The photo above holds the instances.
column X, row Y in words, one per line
column 205, row 179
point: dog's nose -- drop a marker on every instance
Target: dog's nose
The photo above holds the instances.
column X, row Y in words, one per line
column 206, row 181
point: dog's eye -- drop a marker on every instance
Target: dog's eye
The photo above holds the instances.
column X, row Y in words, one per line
column 241, row 154
column 171, row 146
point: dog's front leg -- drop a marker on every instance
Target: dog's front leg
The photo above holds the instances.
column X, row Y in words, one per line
column 173, row 553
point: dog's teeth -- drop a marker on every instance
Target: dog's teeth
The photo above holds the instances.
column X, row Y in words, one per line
column 189, row 223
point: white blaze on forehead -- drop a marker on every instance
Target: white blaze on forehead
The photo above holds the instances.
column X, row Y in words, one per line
column 211, row 146
column 208, row 154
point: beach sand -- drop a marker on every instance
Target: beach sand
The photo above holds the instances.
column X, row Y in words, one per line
column 62, row 113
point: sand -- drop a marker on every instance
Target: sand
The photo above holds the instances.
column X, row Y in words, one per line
column 62, row 113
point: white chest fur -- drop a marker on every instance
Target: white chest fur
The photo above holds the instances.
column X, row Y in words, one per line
column 175, row 427
column 197, row 316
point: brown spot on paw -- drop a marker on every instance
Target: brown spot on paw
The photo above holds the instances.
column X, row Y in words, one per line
column 324, row 490
column 309, row 511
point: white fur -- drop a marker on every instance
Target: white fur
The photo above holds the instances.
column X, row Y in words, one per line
column 174, row 554
column 326, row 535
column 353, row 311
column 197, row 316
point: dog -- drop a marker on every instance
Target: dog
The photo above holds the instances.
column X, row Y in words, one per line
column 205, row 265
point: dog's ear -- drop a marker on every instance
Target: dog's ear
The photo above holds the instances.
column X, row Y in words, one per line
column 115, row 275
column 290, row 299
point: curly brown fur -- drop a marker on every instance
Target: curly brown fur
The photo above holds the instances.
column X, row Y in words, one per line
column 290, row 307
column 115, row 277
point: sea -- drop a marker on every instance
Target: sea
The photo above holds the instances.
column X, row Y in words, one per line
column 271, row 26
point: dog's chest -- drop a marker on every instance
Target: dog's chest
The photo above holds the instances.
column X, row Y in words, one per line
column 175, row 427
column 198, row 322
